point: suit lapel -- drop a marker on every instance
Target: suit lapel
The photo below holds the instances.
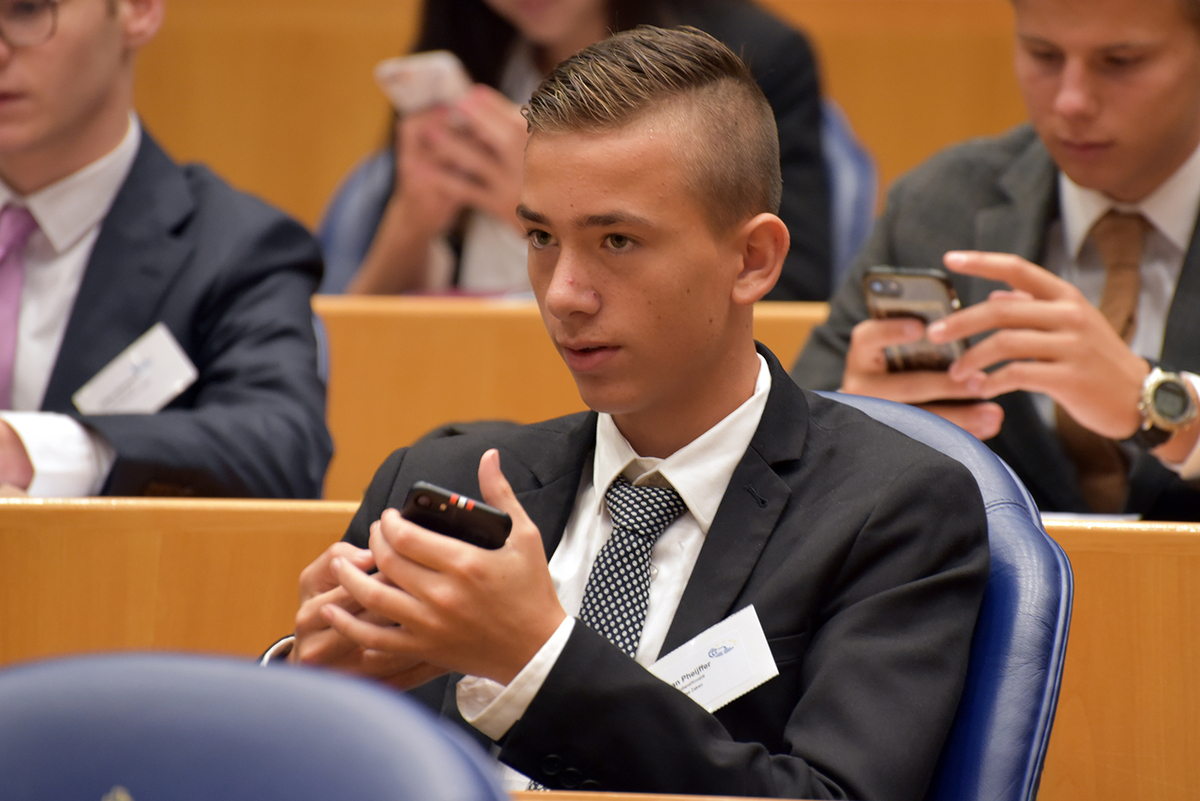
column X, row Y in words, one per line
column 748, row 514
column 1183, row 323
column 1018, row 223
column 134, row 261
column 555, row 473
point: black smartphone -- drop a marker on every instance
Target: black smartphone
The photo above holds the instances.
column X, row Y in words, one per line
column 922, row 293
column 454, row 515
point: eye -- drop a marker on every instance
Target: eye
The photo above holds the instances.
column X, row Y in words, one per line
column 618, row 242
column 1122, row 62
column 539, row 238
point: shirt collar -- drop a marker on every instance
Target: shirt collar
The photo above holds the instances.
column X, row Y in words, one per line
column 699, row 471
column 68, row 209
column 1172, row 208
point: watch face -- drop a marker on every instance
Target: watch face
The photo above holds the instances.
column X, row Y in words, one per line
column 1171, row 400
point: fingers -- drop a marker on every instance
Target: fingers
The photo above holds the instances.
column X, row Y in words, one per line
column 981, row 419
column 1018, row 273
column 867, row 372
column 1010, row 312
column 318, row 577
column 495, row 121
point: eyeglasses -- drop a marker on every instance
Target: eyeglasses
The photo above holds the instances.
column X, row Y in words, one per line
column 24, row 23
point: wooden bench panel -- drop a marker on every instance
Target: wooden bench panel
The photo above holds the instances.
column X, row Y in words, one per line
column 103, row 574
column 1128, row 723
column 401, row 366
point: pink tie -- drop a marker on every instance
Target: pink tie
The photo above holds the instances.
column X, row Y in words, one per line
column 16, row 224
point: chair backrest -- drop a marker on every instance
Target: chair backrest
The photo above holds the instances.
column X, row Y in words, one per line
column 853, row 184
column 349, row 221
column 997, row 745
column 186, row 727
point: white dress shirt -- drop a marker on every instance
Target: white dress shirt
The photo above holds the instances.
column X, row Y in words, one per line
column 1172, row 210
column 68, row 459
column 699, row 472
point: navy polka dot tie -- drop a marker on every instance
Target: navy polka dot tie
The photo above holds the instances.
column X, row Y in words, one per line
column 618, row 589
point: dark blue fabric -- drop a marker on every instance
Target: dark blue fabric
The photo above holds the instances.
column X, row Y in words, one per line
column 186, row 727
column 998, row 742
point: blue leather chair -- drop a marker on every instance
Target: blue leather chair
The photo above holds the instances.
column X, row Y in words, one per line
column 853, row 184
column 188, row 727
column 998, row 741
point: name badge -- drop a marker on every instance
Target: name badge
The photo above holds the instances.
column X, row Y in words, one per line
column 722, row 663
column 142, row 379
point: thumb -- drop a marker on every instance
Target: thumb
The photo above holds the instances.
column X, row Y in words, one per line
column 497, row 492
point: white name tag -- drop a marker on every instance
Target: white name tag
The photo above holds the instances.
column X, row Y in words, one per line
column 720, row 664
column 144, row 377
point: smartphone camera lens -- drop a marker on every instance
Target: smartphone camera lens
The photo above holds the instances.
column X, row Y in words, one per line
column 885, row 288
column 424, row 501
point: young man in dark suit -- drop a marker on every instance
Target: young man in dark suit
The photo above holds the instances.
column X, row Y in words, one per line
column 115, row 241
column 650, row 185
column 1068, row 390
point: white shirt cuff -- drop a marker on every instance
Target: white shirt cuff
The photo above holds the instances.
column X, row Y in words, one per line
column 69, row 460
column 492, row 707
column 1189, row 468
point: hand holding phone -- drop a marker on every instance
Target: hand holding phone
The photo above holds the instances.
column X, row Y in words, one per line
column 455, row 515
column 924, row 294
column 423, row 80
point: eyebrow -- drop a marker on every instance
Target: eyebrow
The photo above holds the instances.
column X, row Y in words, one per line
column 590, row 221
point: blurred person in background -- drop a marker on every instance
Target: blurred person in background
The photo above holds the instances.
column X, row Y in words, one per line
column 440, row 211
column 156, row 336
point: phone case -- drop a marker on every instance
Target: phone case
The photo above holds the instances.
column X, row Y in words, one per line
column 417, row 82
column 455, row 515
column 923, row 294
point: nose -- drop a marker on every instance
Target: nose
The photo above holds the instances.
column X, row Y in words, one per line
column 570, row 290
column 1076, row 95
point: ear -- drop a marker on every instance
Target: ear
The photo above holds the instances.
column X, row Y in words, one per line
column 141, row 20
column 764, row 242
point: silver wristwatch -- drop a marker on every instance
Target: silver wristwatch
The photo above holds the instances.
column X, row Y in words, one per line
column 1165, row 406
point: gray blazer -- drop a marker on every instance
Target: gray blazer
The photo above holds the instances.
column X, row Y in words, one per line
column 1001, row 194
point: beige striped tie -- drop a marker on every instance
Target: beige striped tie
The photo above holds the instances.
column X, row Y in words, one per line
column 1102, row 467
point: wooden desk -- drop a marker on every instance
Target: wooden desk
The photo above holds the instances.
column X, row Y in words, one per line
column 1128, row 722
column 103, row 574
column 401, row 366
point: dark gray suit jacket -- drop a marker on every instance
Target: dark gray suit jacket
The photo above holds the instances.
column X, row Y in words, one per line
column 1001, row 194
column 231, row 278
column 865, row 557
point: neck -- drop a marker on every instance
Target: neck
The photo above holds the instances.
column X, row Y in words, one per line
column 728, row 383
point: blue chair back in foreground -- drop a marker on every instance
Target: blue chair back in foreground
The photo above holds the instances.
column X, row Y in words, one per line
column 192, row 728
column 998, row 741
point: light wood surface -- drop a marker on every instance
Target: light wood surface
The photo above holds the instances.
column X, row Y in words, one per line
column 100, row 574
column 277, row 95
column 1128, row 723
column 401, row 366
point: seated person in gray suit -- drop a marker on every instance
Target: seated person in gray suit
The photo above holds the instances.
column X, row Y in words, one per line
column 706, row 496
column 1072, row 242
column 106, row 244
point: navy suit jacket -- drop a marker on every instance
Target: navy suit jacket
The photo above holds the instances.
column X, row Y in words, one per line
column 1001, row 194
column 865, row 556
column 231, row 278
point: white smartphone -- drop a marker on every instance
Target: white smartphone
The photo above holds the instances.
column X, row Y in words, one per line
column 417, row 82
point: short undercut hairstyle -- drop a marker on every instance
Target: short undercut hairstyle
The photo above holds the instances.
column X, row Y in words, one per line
column 729, row 145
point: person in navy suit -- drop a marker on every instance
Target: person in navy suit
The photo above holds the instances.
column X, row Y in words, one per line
column 650, row 186
column 224, row 398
